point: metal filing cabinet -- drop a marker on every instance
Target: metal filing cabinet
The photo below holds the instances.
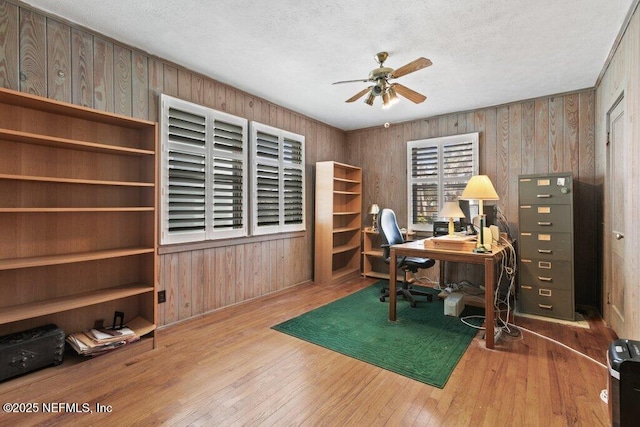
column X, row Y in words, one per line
column 546, row 245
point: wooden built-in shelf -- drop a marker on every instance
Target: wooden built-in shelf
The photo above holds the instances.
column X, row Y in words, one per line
column 351, row 181
column 60, row 304
column 41, row 261
column 374, row 253
column 344, row 272
column 349, row 193
column 345, row 248
column 96, row 209
column 373, row 264
column 52, row 141
column 347, row 213
column 345, row 229
column 75, row 181
column 78, row 203
column 25, row 100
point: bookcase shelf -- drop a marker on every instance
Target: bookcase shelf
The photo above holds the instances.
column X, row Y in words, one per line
column 75, row 181
column 78, row 202
column 41, row 261
column 30, row 138
column 61, row 304
column 373, row 264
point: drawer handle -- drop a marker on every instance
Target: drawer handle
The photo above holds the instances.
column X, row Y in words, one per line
column 545, row 279
column 543, row 196
column 544, row 223
column 545, row 251
column 545, row 306
column 544, row 292
column 526, row 287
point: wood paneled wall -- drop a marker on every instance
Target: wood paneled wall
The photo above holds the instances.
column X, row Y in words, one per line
column 622, row 79
column 45, row 56
column 551, row 134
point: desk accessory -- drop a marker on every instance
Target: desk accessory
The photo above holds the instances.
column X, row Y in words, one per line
column 451, row 210
column 480, row 188
column 375, row 209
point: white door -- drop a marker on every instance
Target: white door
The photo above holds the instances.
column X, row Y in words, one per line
column 617, row 172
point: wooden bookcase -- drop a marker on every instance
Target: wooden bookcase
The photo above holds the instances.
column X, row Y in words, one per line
column 372, row 263
column 338, row 221
column 77, row 216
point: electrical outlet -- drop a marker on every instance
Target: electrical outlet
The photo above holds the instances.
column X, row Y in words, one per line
column 162, row 297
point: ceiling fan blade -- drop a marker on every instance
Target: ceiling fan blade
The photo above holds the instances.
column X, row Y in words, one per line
column 359, row 94
column 351, row 81
column 412, row 66
column 410, row 94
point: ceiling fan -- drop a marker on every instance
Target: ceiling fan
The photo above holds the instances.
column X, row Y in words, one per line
column 380, row 78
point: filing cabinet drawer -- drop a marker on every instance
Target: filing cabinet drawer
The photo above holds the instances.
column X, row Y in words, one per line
column 546, row 302
column 550, row 190
column 546, row 218
column 546, row 246
column 546, row 274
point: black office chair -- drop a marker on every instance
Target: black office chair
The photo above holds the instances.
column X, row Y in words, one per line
column 391, row 235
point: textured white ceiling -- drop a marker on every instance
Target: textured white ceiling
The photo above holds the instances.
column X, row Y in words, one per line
column 484, row 52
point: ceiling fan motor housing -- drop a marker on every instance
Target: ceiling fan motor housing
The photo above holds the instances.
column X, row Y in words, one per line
column 380, row 73
column 378, row 89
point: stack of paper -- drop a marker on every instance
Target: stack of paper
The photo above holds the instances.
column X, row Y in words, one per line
column 94, row 342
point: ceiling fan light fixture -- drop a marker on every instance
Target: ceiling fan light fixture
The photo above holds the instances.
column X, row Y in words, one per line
column 369, row 99
column 386, row 100
column 393, row 97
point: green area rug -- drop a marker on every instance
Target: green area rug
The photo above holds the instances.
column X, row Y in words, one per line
column 423, row 344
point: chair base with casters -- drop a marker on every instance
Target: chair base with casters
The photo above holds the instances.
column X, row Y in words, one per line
column 391, row 235
column 407, row 291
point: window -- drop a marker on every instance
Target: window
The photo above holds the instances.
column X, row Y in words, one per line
column 203, row 173
column 277, row 180
column 437, row 171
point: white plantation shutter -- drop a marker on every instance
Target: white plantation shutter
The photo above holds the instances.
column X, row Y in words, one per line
column 229, row 181
column 293, row 159
column 203, row 173
column 438, row 169
column 266, row 182
column 277, row 180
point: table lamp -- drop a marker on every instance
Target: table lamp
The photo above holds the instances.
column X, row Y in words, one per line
column 480, row 188
column 374, row 211
column 451, row 210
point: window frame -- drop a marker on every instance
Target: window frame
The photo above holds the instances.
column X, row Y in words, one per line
column 440, row 180
column 212, row 117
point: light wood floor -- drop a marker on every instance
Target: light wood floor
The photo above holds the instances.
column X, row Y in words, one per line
column 230, row 368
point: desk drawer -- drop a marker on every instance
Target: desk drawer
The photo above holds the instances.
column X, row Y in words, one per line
column 546, row 302
column 552, row 190
column 546, row 246
column 546, row 218
column 546, row 274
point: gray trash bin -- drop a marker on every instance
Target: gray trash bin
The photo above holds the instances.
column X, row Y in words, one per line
column 623, row 360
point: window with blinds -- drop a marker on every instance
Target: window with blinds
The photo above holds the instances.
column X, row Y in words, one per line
column 203, row 173
column 438, row 169
column 277, row 171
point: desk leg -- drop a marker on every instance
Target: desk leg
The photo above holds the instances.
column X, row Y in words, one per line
column 442, row 265
column 489, row 309
column 393, row 274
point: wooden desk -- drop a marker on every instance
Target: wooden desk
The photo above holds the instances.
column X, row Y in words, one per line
column 418, row 249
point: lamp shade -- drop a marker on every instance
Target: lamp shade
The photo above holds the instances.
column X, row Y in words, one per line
column 374, row 209
column 451, row 210
column 479, row 187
